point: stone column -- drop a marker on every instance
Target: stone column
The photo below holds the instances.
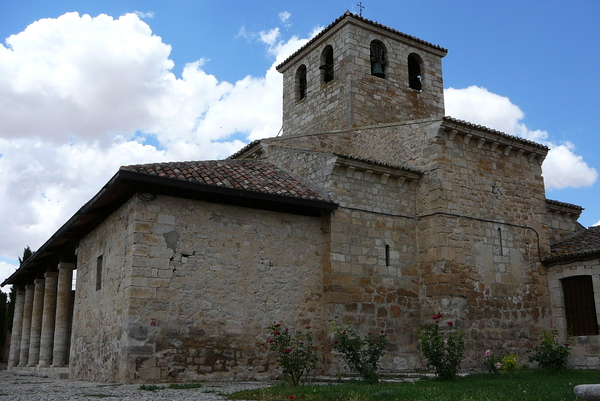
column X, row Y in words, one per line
column 26, row 330
column 64, row 314
column 36, row 322
column 17, row 329
column 48, row 319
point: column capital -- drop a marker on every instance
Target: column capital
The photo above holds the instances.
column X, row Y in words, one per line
column 67, row 265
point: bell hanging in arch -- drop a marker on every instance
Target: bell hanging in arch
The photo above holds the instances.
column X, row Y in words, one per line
column 377, row 69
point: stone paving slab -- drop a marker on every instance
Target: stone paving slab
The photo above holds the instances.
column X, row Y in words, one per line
column 20, row 387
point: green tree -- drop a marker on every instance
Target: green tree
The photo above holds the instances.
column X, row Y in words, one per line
column 26, row 255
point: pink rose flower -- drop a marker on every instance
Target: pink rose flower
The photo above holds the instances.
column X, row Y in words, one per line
column 488, row 352
column 450, row 323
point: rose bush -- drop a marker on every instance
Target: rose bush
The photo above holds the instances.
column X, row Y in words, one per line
column 296, row 353
column 443, row 350
column 361, row 355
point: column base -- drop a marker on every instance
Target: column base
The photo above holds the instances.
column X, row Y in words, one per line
column 45, row 371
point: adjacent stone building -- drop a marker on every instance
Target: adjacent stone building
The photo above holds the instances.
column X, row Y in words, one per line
column 372, row 208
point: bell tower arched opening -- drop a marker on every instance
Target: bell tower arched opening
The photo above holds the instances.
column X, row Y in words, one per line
column 327, row 64
column 415, row 78
column 378, row 59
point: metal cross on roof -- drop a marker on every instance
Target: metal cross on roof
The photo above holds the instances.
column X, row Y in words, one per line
column 360, row 5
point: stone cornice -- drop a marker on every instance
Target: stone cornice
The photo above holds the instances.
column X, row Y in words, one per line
column 497, row 140
column 563, row 208
column 385, row 173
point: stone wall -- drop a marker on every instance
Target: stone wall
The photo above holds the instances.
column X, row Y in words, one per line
column 372, row 279
column 207, row 281
column 99, row 318
column 585, row 349
column 481, row 235
column 472, row 231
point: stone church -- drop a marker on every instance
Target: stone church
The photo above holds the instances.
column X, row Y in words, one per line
column 371, row 207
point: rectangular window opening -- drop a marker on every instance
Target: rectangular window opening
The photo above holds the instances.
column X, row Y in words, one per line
column 580, row 306
column 387, row 255
column 99, row 272
column 500, row 238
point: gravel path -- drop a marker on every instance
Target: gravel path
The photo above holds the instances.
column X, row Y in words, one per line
column 17, row 387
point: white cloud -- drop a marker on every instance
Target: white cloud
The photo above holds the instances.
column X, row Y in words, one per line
column 562, row 167
column 143, row 14
column 6, row 269
column 284, row 16
column 78, row 95
column 269, row 37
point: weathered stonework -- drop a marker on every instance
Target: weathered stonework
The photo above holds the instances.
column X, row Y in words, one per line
column 370, row 208
column 201, row 284
column 98, row 345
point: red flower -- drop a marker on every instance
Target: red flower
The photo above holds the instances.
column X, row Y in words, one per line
column 343, row 332
column 450, row 323
column 307, row 326
column 278, row 324
column 438, row 316
column 287, row 351
column 382, row 331
column 292, row 397
column 277, row 333
column 270, row 340
column 336, row 342
column 567, row 344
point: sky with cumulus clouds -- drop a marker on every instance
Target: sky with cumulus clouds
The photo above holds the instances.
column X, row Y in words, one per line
column 86, row 88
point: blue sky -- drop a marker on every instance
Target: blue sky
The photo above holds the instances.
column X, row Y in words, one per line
column 81, row 96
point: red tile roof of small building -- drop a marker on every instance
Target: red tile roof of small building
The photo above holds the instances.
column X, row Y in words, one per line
column 247, row 175
column 582, row 245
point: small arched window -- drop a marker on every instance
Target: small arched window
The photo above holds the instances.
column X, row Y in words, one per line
column 378, row 57
column 414, row 72
column 301, row 83
column 327, row 64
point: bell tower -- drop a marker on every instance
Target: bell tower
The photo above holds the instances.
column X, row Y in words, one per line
column 358, row 73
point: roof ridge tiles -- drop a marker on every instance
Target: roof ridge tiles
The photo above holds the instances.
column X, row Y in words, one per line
column 348, row 14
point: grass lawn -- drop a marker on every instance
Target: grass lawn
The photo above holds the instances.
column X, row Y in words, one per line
column 525, row 385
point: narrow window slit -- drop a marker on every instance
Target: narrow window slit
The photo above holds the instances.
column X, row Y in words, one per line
column 387, row 255
column 500, row 239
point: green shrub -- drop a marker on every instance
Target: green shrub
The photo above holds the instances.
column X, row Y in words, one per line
column 510, row 363
column 550, row 355
column 444, row 351
column 361, row 355
column 296, row 354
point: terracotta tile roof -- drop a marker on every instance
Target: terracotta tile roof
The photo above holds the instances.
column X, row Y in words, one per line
column 582, row 245
column 246, row 175
column 348, row 14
